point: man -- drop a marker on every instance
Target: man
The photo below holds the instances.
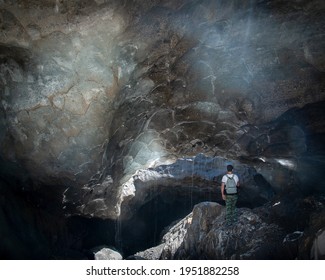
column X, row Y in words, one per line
column 229, row 185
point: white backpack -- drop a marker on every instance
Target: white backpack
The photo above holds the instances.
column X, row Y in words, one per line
column 231, row 185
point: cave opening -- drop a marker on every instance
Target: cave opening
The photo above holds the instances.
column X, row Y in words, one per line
column 77, row 237
column 69, row 236
column 165, row 207
column 153, row 218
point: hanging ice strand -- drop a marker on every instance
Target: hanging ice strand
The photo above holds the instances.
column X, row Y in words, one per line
column 56, row 9
column 191, row 188
column 118, row 233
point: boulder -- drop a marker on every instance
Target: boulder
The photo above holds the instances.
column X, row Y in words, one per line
column 104, row 253
column 203, row 234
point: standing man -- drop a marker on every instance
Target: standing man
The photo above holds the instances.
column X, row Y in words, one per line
column 229, row 185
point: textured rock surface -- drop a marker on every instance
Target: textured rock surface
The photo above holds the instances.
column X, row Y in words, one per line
column 103, row 253
column 109, row 106
column 311, row 244
column 93, row 86
column 249, row 238
column 318, row 249
column 203, row 234
column 209, row 238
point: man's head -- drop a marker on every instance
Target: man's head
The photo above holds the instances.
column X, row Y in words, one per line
column 230, row 168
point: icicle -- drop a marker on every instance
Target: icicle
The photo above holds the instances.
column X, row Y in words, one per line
column 118, row 234
column 191, row 188
column 56, row 6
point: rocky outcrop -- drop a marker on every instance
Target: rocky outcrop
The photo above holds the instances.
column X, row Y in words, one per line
column 249, row 238
column 203, row 234
column 103, row 253
column 311, row 244
column 318, row 249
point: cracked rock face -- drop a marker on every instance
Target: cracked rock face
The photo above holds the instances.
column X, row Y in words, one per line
column 57, row 90
column 204, row 235
column 108, row 105
column 175, row 77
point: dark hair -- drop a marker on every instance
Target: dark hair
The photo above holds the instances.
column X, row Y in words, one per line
column 229, row 167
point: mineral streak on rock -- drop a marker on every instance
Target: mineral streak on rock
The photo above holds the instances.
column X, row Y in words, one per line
column 109, row 106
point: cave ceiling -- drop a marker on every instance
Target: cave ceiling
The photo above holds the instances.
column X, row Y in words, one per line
column 94, row 92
